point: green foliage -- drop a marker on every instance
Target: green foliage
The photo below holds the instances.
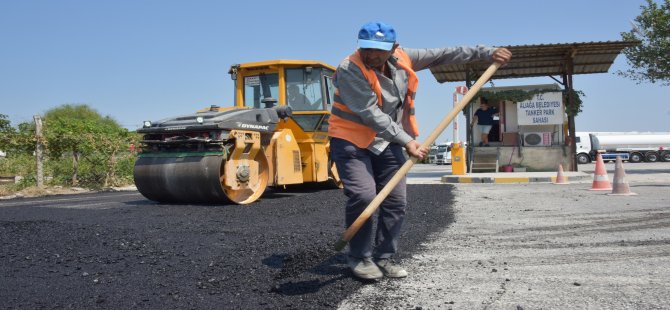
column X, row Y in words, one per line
column 100, row 143
column 60, row 170
column 6, row 132
column 124, row 169
column 518, row 95
column 16, row 140
column 74, row 128
column 92, row 143
column 650, row 60
column 5, row 125
column 17, row 164
column 24, row 141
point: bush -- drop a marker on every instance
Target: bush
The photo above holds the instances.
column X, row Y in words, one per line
column 124, row 170
column 60, row 171
column 17, row 164
column 101, row 144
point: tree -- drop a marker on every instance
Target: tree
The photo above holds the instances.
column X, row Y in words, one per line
column 650, row 60
column 5, row 125
column 13, row 140
column 83, row 133
column 7, row 132
column 109, row 140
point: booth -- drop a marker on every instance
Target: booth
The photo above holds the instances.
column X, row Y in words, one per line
column 536, row 131
column 528, row 135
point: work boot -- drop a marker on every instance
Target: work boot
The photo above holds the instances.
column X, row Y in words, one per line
column 390, row 269
column 364, row 268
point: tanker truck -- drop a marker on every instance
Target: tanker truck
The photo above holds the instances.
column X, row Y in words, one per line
column 630, row 146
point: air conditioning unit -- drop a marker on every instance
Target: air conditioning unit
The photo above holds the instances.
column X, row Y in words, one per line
column 537, row 139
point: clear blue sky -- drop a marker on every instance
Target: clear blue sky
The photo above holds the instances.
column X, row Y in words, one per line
column 135, row 60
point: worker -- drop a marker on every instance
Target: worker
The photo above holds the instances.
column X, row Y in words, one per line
column 484, row 119
column 296, row 99
column 372, row 119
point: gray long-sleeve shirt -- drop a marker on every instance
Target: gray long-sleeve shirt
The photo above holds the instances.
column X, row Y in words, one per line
column 355, row 91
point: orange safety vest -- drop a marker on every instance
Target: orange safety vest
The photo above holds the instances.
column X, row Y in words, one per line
column 350, row 127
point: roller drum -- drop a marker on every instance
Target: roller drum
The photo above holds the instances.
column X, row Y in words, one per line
column 191, row 179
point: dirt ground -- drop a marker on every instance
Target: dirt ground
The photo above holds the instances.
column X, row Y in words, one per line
column 7, row 192
column 119, row 251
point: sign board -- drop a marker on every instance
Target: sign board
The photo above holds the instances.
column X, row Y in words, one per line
column 252, row 80
column 542, row 109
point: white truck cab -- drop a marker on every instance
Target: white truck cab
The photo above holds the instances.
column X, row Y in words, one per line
column 443, row 154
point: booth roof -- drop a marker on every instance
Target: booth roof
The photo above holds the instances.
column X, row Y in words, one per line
column 542, row 60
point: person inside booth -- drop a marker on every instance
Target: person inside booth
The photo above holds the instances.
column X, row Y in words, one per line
column 484, row 119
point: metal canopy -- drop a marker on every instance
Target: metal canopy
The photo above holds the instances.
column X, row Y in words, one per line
column 542, row 60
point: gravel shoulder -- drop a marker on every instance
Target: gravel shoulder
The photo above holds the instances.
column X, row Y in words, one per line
column 539, row 246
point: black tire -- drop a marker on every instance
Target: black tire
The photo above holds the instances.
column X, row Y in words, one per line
column 583, row 159
column 665, row 156
column 635, row 157
column 651, row 157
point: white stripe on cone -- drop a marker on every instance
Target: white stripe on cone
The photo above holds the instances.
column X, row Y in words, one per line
column 620, row 187
column 600, row 180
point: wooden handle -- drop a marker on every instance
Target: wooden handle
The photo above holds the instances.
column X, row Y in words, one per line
column 372, row 207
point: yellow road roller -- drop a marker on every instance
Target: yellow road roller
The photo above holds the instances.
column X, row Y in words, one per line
column 274, row 135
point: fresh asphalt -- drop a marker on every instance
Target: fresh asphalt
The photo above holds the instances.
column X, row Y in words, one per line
column 120, row 251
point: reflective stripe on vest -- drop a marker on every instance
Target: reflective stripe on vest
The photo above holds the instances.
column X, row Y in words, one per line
column 408, row 120
column 339, row 112
column 347, row 125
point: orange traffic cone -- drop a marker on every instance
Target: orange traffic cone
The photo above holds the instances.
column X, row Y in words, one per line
column 560, row 179
column 620, row 187
column 600, row 180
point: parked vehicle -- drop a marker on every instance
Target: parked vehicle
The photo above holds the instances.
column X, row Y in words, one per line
column 432, row 154
column 630, row 146
column 443, row 154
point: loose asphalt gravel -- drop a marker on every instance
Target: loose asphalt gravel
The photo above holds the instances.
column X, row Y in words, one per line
column 540, row 246
column 121, row 251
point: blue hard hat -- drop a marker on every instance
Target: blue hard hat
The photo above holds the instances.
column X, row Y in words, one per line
column 376, row 35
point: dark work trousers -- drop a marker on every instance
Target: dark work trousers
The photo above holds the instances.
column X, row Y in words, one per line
column 364, row 174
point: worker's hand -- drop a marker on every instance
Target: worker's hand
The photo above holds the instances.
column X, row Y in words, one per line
column 502, row 55
column 414, row 149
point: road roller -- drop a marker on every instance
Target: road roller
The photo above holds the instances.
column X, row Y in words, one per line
column 274, row 135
